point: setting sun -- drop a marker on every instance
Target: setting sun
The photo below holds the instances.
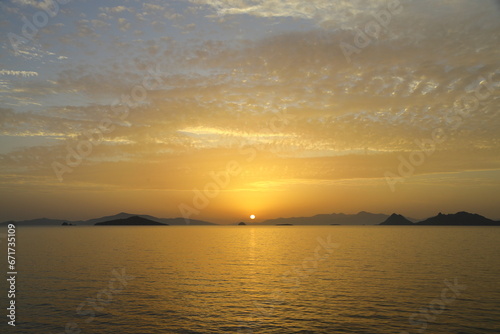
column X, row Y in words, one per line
column 252, row 216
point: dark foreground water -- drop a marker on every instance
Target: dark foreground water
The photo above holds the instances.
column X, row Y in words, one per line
column 243, row 279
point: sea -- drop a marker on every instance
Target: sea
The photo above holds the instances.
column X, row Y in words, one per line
column 255, row 279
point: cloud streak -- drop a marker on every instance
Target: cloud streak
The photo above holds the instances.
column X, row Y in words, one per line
column 24, row 74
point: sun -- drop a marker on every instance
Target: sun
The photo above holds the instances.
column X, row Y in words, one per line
column 252, row 216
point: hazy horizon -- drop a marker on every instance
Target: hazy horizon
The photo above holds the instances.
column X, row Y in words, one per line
column 247, row 219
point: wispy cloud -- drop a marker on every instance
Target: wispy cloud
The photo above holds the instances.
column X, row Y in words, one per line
column 116, row 9
column 39, row 4
column 24, row 74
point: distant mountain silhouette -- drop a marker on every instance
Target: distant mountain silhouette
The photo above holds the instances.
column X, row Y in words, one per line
column 121, row 215
column 134, row 220
column 460, row 218
column 241, row 223
column 168, row 221
column 38, row 222
column 361, row 218
column 396, row 219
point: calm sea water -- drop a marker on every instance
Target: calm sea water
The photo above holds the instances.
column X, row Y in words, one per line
column 270, row 279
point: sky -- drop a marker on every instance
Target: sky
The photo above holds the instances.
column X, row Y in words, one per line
column 218, row 109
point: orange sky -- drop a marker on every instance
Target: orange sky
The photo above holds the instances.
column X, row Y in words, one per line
column 216, row 110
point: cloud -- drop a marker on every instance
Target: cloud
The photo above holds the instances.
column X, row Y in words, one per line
column 216, row 94
column 86, row 29
column 24, row 74
column 340, row 13
column 124, row 24
column 153, row 7
column 115, row 10
column 39, row 4
column 357, row 14
column 99, row 24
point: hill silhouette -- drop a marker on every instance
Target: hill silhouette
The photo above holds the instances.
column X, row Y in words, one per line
column 166, row 221
column 37, row 222
column 134, row 220
column 360, row 218
column 396, row 219
column 459, row 219
column 121, row 215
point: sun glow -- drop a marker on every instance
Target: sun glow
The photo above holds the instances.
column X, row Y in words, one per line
column 252, row 216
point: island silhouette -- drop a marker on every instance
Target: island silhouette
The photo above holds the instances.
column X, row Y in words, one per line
column 134, row 220
column 461, row 218
column 396, row 219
